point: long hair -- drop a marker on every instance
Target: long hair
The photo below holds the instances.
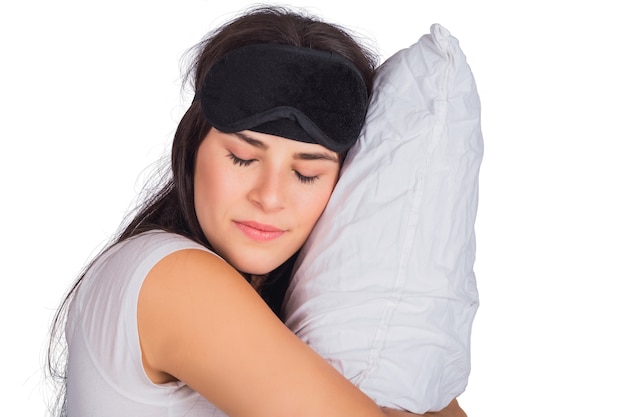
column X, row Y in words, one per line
column 170, row 206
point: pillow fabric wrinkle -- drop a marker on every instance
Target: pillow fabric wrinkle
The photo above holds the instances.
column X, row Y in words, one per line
column 384, row 287
column 381, row 335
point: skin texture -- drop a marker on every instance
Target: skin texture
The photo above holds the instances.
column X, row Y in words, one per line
column 257, row 197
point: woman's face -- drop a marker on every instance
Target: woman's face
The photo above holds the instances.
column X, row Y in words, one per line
column 258, row 196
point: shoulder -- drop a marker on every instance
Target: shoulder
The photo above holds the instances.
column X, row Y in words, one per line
column 113, row 281
column 139, row 254
column 183, row 275
column 174, row 267
column 188, row 294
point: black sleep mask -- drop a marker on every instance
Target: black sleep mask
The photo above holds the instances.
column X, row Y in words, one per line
column 294, row 92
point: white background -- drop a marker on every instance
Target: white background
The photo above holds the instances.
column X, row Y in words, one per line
column 90, row 96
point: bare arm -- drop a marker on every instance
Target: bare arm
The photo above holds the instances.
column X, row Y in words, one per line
column 202, row 323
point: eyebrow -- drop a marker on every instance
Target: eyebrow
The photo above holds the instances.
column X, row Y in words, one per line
column 317, row 156
column 254, row 142
column 307, row 156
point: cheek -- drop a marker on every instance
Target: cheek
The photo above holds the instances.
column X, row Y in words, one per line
column 313, row 204
column 214, row 191
column 209, row 188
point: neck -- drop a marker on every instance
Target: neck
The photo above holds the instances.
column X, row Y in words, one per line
column 257, row 281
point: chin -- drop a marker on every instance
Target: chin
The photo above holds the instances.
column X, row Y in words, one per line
column 259, row 266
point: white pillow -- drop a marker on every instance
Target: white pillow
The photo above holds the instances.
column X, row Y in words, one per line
column 384, row 287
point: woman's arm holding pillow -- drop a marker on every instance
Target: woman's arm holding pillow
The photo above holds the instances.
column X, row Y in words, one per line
column 201, row 323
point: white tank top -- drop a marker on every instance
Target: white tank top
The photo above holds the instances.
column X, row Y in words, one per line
column 105, row 370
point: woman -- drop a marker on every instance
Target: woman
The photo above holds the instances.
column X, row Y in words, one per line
column 168, row 320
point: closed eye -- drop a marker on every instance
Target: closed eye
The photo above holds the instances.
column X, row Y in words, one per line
column 240, row 162
column 304, row 179
column 247, row 162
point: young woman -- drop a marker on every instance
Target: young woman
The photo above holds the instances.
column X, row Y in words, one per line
column 175, row 317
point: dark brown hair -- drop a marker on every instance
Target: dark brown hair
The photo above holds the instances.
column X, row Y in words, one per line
column 171, row 206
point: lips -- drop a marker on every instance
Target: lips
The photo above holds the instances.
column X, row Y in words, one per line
column 258, row 231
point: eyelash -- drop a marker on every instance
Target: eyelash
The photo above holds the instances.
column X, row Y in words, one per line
column 240, row 162
column 305, row 180
column 247, row 162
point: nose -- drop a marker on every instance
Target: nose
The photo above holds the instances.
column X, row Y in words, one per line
column 269, row 190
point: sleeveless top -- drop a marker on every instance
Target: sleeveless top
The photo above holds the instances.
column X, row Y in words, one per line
column 105, row 370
